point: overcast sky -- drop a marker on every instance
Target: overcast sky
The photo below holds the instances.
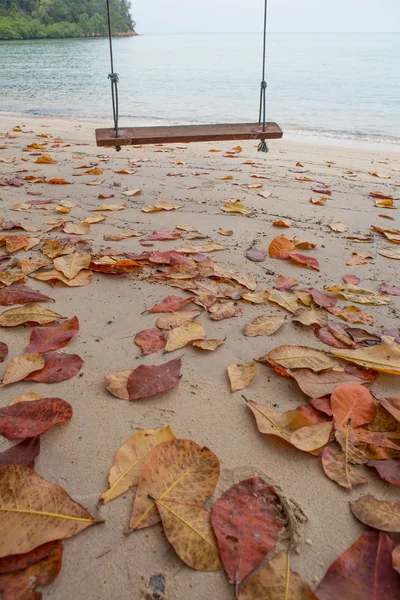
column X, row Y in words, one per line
column 185, row 16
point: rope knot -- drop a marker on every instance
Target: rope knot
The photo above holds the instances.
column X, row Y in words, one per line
column 262, row 146
column 263, row 85
column 114, row 77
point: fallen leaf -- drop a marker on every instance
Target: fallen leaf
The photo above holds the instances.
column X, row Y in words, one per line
column 29, row 313
column 352, row 403
column 360, row 258
column 188, row 529
column 176, row 319
column 131, row 193
column 225, row 310
column 53, row 276
column 312, row 437
column 162, row 236
column 26, row 499
column 45, row 339
column 236, row 207
column 150, row 340
column 247, row 522
column 316, row 385
column 58, row 367
column 77, row 228
column 130, row 459
column 352, row 279
column 59, row 181
column 19, row 367
column 396, row 558
column 23, row 454
column 95, row 219
column 117, row 383
column 72, row 264
column 302, row 259
column 389, row 470
column 200, row 249
column 45, row 160
column 383, row 357
column 170, row 304
column 287, row 300
column 10, row 277
column 3, row 351
column 263, row 326
column 310, row 316
column 300, row 357
column 161, row 205
column 146, row 381
column 338, row 227
column 384, row 288
column 363, row 571
column 390, row 253
column 353, row 293
column 319, row 201
column 277, row 581
column 281, row 424
column 19, row 575
column 21, row 294
column 179, row 470
column 379, row 514
column 179, row 337
column 282, row 223
column 260, row 297
column 280, row 247
column 322, row 298
column 209, row 345
column 337, row 468
column 29, row 397
column 226, row 232
column 241, row 375
column 28, row 419
column 111, row 207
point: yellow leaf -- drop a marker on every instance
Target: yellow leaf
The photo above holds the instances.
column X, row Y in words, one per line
column 10, row 277
column 34, row 511
column 312, row 437
column 71, row 265
column 21, row 366
column 241, row 375
column 29, row 397
column 226, row 232
column 210, row 247
column 51, row 277
column 285, row 299
column 161, row 205
column 45, row 160
column 209, row 345
column 110, row 207
column 300, row 357
column 131, row 193
column 29, row 313
column 176, row 319
column 385, row 357
column 183, row 335
column 263, row 326
column 271, row 422
column 260, row 297
column 189, row 531
column 77, row 228
column 130, row 459
column 359, row 295
column 236, row 207
column 95, row 219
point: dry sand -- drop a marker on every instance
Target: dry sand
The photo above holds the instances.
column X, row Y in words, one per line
column 102, row 563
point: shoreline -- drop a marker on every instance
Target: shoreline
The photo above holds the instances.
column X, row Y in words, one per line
column 305, row 137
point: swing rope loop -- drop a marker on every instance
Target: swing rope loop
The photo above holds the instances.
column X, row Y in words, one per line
column 262, row 118
column 113, row 77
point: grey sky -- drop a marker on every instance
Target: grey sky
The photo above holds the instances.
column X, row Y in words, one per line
column 184, row 16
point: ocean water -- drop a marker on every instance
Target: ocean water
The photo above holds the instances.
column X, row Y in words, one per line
column 338, row 85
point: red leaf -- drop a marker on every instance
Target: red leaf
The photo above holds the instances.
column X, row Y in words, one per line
column 23, row 454
column 285, row 283
column 388, row 289
column 21, row 294
column 150, row 340
column 354, row 403
column 256, row 255
column 146, row 381
column 170, row 304
column 353, row 279
column 364, row 571
column 44, row 339
column 58, row 367
column 302, row 259
column 21, row 573
column 322, row 404
column 389, row 470
column 161, row 236
column 247, row 525
column 3, row 351
column 28, row 419
column 322, row 298
column 315, row 415
column 326, row 336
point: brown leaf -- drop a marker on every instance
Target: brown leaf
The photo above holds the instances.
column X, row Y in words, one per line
column 23, row 454
column 150, row 340
column 352, row 403
column 170, row 304
column 363, row 571
column 179, row 470
column 161, row 205
column 281, row 424
column 71, row 265
column 390, row 253
column 21, row 294
column 53, row 276
column 277, row 581
column 302, row 259
column 336, row 467
column 36, row 511
column 287, row 300
column 110, row 207
column 21, row 366
column 236, row 207
column 392, row 405
column 300, row 357
column 260, row 297
column 209, row 345
column 225, row 310
column 389, row 470
column 28, row 419
column 315, row 385
column 247, row 522
column 285, row 283
column 183, row 335
column 241, row 375
column 10, row 277
column 130, row 459
column 310, row 316
column 117, row 383
column 263, row 326
column 312, row 437
column 45, row 339
column 176, row 319
column 383, row 357
column 3, row 351
column 58, row 367
column 29, row 313
column 20, row 574
column 396, row 558
column 338, row 227
column 226, row 232
column 146, row 381
column 380, row 514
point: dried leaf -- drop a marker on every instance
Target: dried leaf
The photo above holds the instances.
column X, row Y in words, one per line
column 77, row 228
column 312, row 437
column 260, row 297
column 161, row 205
column 247, row 523
column 336, row 467
column 300, row 357
column 338, row 227
column 287, row 300
column 150, row 340
column 3, row 351
column 277, row 581
column 29, row 313
column 176, row 319
column 263, row 326
column 352, row 403
column 131, row 193
column 29, row 397
column 71, row 265
column 387, row 289
column 319, row 201
column 21, row 294
column 19, row 367
column 379, row 514
column 53, row 276
column 188, row 529
column 310, row 316
column 241, row 375
column 225, row 310
column 45, row 339
column 282, row 223
column 183, row 335
column 281, row 424
column 363, row 571
column 59, row 181
column 23, row 454
column 58, row 367
column 236, row 207
column 353, row 293
column 390, row 253
column 316, row 385
column 209, row 345
column 385, row 357
column 226, row 232
column 179, row 470
column 389, row 470
column 280, row 247
column 110, row 207
column 170, row 304
column 302, row 259
column 117, row 383
column 146, row 381
column 130, row 459
column 28, row 419
column 10, row 277
column 36, row 511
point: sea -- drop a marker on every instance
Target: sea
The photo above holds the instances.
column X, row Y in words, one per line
column 328, row 85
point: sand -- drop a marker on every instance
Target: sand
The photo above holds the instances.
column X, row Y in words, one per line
column 102, row 563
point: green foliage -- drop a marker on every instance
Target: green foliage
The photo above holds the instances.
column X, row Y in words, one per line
column 28, row 19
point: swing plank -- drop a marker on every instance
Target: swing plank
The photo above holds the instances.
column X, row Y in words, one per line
column 187, row 133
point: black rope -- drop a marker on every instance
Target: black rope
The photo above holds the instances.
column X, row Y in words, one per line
column 262, row 119
column 113, row 77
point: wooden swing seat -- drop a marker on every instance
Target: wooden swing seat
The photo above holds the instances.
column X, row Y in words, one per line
column 130, row 136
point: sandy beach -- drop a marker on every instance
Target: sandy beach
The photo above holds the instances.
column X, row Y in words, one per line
column 102, row 562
